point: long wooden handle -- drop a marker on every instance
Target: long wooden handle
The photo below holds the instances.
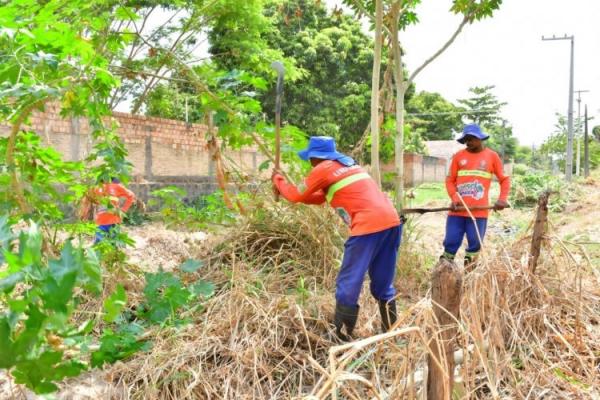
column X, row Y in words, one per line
column 278, row 66
column 428, row 210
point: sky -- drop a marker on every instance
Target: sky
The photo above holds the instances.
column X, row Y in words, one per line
column 531, row 75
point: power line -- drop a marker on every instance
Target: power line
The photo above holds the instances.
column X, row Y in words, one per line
column 454, row 112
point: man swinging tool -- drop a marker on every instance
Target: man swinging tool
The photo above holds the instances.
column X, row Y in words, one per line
column 469, row 181
column 375, row 228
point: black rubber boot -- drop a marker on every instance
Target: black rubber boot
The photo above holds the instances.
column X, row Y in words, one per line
column 470, row 263
column 345, row 316
column 388, row 314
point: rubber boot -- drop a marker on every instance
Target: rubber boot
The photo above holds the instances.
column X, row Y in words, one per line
column 447, row 256
column 388, row 314
column 345, row 316
column 470, row 262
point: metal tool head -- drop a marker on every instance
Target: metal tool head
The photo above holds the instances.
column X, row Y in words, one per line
column 278, row 66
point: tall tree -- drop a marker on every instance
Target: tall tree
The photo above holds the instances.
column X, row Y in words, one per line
column 330, row 95
column 502, row 140
column 483, row 107
column 434, row 117
column 375, row 92
column 399, row 15
column 166, row 38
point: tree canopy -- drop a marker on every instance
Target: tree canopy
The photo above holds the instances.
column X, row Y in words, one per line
column 434, row 117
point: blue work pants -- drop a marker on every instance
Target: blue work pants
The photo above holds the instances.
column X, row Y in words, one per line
column 456, row 229
column 376, row 253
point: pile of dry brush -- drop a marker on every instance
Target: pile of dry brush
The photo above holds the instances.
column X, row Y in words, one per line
column 266, row 333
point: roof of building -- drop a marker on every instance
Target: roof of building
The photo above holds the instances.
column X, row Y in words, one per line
column 443, row 148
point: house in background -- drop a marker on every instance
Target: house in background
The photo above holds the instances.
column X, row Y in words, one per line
column 447, row 148
column 443, row 149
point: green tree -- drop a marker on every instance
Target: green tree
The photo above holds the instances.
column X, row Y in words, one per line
column 523, row 155
column 400, row 14
column 483, row 107
column 502, row 141
column 334, row 58
column 163, row 52
column 50, row 53
column 434, row 117
column 596, row 132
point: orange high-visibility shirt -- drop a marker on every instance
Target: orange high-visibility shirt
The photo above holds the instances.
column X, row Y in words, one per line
column 115, row 192
column 350, row 191
column 471, row 175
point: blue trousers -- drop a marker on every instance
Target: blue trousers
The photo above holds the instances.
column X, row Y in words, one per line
column 457, row 227
column 103, row 231
column 375, row 253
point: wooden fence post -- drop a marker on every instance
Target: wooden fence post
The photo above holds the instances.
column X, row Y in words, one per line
column 446, row 291
column 539, row 229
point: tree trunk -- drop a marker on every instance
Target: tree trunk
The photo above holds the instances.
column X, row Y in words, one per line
column 375, row 172
column 399, row 141
column 446, row 291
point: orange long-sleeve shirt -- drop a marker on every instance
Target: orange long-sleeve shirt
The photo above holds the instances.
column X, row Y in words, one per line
column 471, row 175
column 356, row 198
column 115, row 192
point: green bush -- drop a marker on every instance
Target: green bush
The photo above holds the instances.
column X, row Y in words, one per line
column 526, row 189
column 176, row 210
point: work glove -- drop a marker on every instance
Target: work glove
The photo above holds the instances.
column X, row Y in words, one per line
column 500, row 205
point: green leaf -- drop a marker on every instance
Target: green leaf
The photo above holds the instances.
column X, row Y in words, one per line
column 264, row 165
column 114, row 304
column 191, row 265
column 203, row 288
column 7, row 355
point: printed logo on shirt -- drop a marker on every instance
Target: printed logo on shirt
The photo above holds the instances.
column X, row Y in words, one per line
column 483, row 165
column 344, row 215
column 471, row 189
column 343, row 170
column 462, row 162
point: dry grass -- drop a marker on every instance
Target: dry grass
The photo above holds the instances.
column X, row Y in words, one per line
column 266, row 333
column 522, row 335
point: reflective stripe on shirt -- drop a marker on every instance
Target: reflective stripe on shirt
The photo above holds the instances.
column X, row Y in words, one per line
column 343, row 183
column 474, row 172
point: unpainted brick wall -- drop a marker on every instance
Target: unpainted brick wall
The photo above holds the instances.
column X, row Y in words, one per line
column 156, row 146
column 420, row 169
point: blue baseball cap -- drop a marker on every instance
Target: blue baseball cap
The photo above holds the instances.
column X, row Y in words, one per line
column 323, row 147
column 472, row 130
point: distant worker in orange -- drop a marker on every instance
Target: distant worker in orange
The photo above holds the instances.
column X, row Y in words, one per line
column 469, row 181
column 375, row 229
column 107, row 216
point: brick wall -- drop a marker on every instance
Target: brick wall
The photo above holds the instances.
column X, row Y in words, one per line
column 420, row 169
column 156, row 146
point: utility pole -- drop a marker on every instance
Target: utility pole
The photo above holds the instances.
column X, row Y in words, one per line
column 569, row 161
column 578, row 161
column 503, row 139
column 586, row 148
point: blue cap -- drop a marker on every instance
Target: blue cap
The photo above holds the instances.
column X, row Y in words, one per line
column 472, row 130
column 323, row 147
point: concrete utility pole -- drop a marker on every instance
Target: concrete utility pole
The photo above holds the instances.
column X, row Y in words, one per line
column 578, row 163
column 569, row 161
column 586, row 148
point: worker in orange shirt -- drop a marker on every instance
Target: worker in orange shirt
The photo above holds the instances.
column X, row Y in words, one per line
column 469, row 179
column 375, row 229
column 108, row 215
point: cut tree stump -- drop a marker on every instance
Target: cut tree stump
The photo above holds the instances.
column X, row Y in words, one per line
column 446, row 291
column 539, row 230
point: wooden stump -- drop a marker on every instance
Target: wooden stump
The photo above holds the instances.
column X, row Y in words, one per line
column 539, row 230
column 446, row 291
